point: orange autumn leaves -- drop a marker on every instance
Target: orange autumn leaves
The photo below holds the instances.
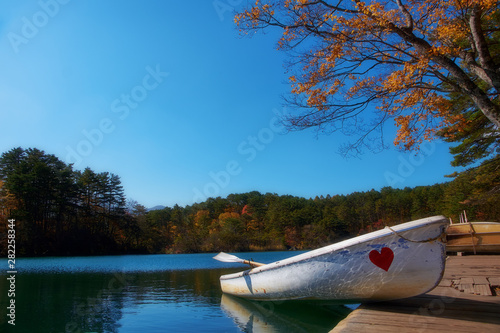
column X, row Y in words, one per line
column 390, row 52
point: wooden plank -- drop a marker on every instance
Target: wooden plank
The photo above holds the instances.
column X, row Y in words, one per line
column 482, row 289
column 494, row 281
column 446, row 283
column 387, row 322
column 467, row 288
column 480, row 280
column 369, row 320
column 466, row 280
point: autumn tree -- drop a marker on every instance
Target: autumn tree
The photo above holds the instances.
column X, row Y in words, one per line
column 401, row 58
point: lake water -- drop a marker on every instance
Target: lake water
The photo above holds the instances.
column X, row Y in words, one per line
column 148, row 293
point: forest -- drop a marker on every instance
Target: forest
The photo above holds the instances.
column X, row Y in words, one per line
column 61, row 211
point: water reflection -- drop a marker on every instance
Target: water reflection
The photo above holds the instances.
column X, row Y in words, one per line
column 290, row 316
column 113, row 302
column 62, row 299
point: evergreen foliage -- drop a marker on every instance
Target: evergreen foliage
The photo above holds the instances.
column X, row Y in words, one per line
column 60, row 211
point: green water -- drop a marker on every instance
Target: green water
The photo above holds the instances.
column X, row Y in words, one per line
column 153, row 293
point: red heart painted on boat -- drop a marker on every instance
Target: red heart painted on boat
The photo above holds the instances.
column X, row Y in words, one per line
column 382, row 259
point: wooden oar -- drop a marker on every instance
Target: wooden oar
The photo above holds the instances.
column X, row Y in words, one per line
column 224, row 257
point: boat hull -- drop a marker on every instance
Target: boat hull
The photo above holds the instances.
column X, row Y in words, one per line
column 392, row 263
column 476, row 237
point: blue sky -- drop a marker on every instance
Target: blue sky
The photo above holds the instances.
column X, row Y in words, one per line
column 169, row 96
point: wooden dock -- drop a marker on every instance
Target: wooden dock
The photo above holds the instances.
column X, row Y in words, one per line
column 466, row 300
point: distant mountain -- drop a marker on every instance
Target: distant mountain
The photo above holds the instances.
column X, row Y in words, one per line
column 156, row 208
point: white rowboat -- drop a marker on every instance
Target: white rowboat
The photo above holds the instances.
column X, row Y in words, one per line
column 392, row 263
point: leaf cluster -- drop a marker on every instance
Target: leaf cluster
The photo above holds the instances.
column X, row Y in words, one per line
column 358, row 64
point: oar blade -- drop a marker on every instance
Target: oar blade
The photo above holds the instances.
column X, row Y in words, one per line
column 225, row 257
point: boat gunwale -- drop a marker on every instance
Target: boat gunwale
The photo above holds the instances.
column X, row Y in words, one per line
column 463, row 245
column 473, row 223
column 473, row 233
column 403, row 227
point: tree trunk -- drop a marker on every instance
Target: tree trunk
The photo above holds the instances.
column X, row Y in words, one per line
column 488, row 68
column 463, row 81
